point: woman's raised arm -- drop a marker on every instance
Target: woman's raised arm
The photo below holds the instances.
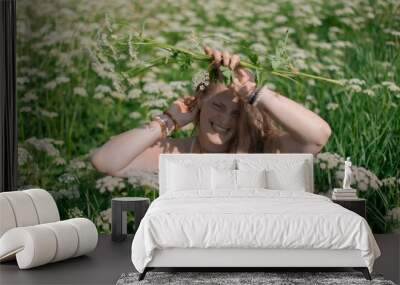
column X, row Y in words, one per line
column 305, row 130
column 140, row 148
column 119, row 151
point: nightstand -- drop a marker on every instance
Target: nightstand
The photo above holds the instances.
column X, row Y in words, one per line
column 120, row 206
column 358, row 206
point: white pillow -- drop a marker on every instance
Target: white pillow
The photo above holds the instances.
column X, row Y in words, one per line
column 293, row 181
column 251, row 178
column 229, row 179
column 188, row 177
column 281, row 174
column 223, row 179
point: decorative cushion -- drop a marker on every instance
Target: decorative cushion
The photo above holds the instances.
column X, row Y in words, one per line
column 223, row 179
column 281, row 174
column 186, row 175
column 251, row 178
column 228, row 179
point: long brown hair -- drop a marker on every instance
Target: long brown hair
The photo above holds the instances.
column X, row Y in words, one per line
column 254, row 126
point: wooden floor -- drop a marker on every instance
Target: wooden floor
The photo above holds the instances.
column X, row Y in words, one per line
column 102, row 266
column 110, row 259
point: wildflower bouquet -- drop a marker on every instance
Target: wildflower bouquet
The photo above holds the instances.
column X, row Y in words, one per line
column 142, row 53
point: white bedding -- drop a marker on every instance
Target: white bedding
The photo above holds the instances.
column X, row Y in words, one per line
column 251, row 218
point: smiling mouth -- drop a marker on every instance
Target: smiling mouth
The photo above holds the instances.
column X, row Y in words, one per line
column 218, row 128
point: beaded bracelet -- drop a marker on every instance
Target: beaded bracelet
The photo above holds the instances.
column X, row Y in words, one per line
column 163, row 126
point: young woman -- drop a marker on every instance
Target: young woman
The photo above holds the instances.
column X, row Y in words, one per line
column 237, row 118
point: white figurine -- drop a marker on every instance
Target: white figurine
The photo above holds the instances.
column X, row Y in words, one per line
column 347, row 174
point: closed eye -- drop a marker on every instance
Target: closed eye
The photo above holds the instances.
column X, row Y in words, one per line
column 217, row 106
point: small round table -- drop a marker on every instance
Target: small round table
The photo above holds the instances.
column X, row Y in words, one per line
column 119, row 207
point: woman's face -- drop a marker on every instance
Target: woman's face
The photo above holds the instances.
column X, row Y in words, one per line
column 219, row 114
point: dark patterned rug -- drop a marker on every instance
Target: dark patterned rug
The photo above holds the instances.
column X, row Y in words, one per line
column 231, row 278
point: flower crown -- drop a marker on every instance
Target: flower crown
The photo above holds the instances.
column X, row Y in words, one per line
column 201, row 80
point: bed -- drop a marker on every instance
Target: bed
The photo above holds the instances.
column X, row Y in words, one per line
column 245, row 211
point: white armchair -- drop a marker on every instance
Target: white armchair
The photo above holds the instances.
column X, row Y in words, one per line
column 31, row 230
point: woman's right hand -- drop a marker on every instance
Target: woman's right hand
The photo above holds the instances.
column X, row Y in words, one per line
column 184, row 110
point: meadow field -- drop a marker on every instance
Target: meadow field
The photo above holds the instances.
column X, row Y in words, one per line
column 72, row 99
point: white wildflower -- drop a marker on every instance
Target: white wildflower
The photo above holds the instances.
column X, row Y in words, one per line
column 155, row 103
column 259, row 48
column 67, row 178
column 98, row 96
column 77, row 164
column 390, row 181
column 107, row 215
column 280, row 19
column 178, row 85
column 332, row 106
column 356, row 81
column 59, row 161
column 339, row 174
column 391, row 86
column 109, row 183
column 71, row 193
column 48, row 114
column 143, row 178
column 355, row 88
column 25, row 109
column 200, row 80
column 135, row 115
column 51, row 85
column 132, row 51
column 80, row 91
column 118, row 95
column 104, row 220
column 62, row 79
column 28, row 97
column 75, row 212
column 394, row 214
column 45, row 145
column 369, row 92
column 154, row 112
column 134, row 93
column 103, row 89
column 23, row 156
column 362, row 186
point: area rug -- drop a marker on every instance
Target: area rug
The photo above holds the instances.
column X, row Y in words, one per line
column 243, row 278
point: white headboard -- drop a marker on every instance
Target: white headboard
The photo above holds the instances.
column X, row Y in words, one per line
column 267, row 159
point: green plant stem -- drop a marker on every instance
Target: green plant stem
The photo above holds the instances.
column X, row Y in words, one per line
column 201, row 57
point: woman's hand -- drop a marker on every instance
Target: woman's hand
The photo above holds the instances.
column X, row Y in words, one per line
column 184, row 110
column 243, row 82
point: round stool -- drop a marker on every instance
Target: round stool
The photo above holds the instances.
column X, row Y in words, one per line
column 119, row 206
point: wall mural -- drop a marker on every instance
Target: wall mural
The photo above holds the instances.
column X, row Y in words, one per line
column 83, row 77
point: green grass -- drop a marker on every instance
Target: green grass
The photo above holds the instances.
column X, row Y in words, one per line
column 365, row 127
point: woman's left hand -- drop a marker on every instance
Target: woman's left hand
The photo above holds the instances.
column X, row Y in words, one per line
column 243, row 81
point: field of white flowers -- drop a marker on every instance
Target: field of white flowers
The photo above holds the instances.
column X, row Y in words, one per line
column 71, row 99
